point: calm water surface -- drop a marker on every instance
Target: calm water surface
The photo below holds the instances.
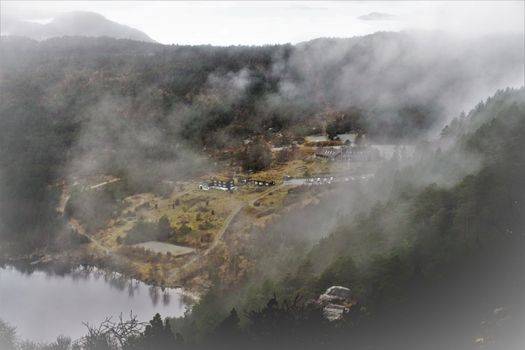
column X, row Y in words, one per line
column 43, row 305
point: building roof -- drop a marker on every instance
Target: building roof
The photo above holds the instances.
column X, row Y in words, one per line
column 328, row 152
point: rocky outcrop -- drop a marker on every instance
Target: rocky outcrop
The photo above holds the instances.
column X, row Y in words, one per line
column 335, row 302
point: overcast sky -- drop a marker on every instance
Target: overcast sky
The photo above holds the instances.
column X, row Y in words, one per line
column 255, row 23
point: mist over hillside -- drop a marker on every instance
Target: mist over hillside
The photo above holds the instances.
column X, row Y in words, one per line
column 427, row 241
column 434, row 266
column 87, row 24
column 100, row 98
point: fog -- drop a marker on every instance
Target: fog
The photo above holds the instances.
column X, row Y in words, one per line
column 107, row 143
column 259, row 23
column 385, row 72
column 432, row 68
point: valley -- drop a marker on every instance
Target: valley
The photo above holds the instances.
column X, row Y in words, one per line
column 262, row 177
column 206, row 226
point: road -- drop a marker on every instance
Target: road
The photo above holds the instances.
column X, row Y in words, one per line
column 103, row 183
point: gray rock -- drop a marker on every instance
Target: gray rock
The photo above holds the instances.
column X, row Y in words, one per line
column 336, row 294
column 334, row 312
column 334, row 302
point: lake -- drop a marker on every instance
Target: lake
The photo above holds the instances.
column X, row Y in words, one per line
column 43, row 305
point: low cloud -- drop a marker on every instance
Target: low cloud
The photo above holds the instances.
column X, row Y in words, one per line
column 377, row 16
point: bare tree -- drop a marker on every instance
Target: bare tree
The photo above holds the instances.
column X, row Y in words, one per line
column 111, row 334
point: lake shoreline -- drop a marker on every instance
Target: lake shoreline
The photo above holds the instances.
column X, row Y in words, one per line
column 64, row 263
column 76, row 297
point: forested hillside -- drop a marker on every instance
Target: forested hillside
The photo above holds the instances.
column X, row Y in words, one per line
column 437, row 259
column 262, row 175
column 434, row 266
column 147, row 111
column 80, row 23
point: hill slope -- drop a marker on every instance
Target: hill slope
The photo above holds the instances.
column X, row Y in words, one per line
column 137, row 102
column 75, row 24
column 437, row 267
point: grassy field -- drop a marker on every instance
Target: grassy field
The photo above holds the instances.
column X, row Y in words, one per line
column 197, row 216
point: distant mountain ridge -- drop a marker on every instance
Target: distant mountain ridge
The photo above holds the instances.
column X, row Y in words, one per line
column 87, row 24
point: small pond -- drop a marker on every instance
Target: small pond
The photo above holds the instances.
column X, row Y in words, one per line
column 43, row 305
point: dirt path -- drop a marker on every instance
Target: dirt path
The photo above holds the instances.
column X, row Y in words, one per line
column 191, row 263
column 64, row 197
column 264, row 194
column 78, row 227
column 217, row 239
column 224, row 228
column 227, row 223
